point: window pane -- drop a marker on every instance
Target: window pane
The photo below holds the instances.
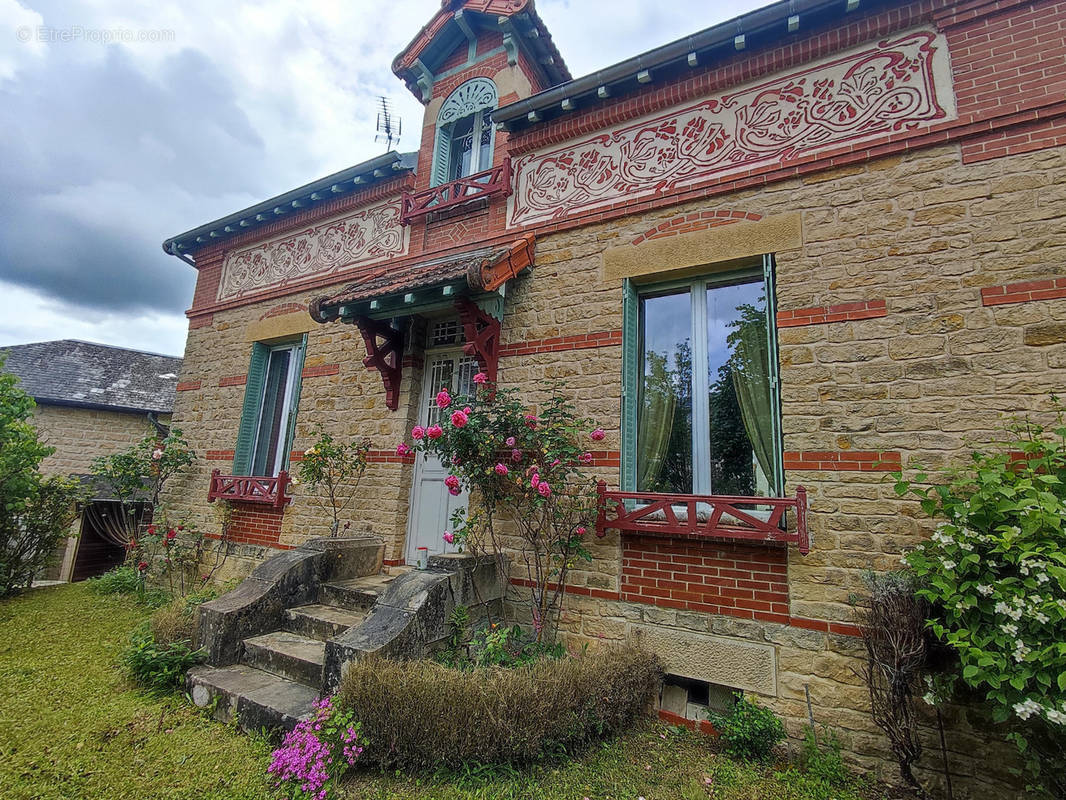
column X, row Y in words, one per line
column 664, row 411
column 741, row 407
column 272, row 413
column 462, row 147
column 485, row 156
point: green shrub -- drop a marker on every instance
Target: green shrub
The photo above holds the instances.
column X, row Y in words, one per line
column 419, row 714
column 157, row 666
column 120, row 580
column 822, row 760
column 749, row 731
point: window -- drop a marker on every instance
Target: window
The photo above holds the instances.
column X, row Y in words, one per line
column 465, row 132
column 701, row 411
column 271, row 398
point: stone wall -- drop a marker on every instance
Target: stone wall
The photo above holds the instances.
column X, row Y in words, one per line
column 80, row 435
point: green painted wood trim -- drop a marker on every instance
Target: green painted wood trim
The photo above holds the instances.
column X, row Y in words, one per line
column 630, row 383
column 294, row 408
column 442, row 146
column 253, row 399
column 770, row 284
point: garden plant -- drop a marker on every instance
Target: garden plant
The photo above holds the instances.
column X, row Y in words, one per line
column 331, row 469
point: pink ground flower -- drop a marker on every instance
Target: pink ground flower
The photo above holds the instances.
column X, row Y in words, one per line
column 459, row 419
column 501, row 469
column 402, row 449
column 434, row 431
column 443, row 399
column 597, row 435
column 417, row 432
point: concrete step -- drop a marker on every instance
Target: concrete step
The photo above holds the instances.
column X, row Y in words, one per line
column 259, row 700
column 288, row 655
column 321, row 622
column 356, row 594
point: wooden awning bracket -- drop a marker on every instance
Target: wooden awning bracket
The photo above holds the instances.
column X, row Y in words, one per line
column 482, row 331
column 384, row 348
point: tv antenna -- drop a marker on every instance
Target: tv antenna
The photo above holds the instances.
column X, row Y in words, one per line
column 389, row 127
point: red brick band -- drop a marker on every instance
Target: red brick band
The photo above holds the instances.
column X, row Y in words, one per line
column 284, row 308
column 320, row 370
column 233, row 380
column 844, row 460
column 1026, row 292
column 562, row 343
column 389, row 457
column 696, row 221
column 842, row 312
column 219, row 455
column 188, row 386
column 201, row 321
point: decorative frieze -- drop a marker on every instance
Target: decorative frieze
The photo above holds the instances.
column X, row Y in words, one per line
column 884, row 88
column 364, row 236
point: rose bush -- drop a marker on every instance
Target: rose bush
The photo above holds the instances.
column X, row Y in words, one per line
column 524, row 468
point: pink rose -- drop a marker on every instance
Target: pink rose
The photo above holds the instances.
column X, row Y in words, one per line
column 449, row 537
column 516, row 455
column 434, row 431
column 443, row 399
column 402, row 449
column 544, row 489
column 501, row 469
column 597, row 435
column 452, row 483
column 456, row 461
column 555, row 463
column 580, row 530
column 509, row 441
column 534, row 480
column 417, row 432
column 585, row 458
column 459, row 419
column 481, row 378
column 467, row 411
column 142, row 566
column 531, row 421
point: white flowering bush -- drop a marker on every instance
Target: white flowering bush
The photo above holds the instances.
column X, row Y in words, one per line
column 994, row 574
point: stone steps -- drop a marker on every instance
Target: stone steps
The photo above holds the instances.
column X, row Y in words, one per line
column 258, row 699
column 356, row 594
column 322, row 622
column 288, row 655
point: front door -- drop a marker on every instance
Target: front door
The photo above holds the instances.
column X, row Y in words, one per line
column 431, row 503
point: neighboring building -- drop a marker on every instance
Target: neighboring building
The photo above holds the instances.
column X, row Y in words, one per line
column 92, row 400
column 843, row 223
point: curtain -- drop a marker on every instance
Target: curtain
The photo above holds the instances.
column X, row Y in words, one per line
column 108, row 520
column 751, row 379
column 656, row 423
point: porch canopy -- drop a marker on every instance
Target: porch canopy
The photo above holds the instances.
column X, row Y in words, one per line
column 471, row 283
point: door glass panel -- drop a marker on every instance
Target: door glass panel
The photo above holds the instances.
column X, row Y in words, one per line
column 741, row 407
column 485, row 154
column 664, row 416
column 272, row 414
column 440, row 377
column 468, row 368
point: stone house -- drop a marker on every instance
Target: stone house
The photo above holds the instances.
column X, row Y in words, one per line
column 842, row 222
column 92, row 400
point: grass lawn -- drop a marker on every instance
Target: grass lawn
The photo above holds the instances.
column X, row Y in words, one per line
column 71, row 727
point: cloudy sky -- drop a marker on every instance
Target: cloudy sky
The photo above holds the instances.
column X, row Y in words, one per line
column 123, row 123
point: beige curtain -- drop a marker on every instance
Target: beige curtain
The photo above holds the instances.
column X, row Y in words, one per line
column 751, row 379
column 656, row 422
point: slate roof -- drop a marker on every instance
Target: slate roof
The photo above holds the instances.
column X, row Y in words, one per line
column 73, row 373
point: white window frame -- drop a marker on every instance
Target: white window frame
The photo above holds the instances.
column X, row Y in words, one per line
column 280, row 457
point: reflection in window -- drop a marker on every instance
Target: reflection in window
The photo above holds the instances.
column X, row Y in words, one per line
column 708, row 341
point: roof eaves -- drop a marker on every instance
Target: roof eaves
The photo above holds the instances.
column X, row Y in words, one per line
column 757, row 28
column 348, row 180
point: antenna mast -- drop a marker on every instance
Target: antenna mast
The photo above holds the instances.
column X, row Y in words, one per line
column 389, row 126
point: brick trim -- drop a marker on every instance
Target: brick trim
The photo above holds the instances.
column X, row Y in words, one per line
column 1024, row 292
column 284, row 308
column 321, row 370
column 389, row 457
column 606, row 458
column 844, row 460
column 562, row 343
column 1014, row 141
column 219, row 455
column 703, row 726
column 695, row 221
column 188, row 386
column 842, row 312
column 233, row 380
column 201, row 321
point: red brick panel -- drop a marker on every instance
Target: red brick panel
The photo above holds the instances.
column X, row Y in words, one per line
column 389, row 457
column 320, row 370
column 843, row 312
column 284, row 308
column 201, row 321
column 844, row 460
column 733, row 578
column 1012, row 141
column 561, row 343
column 188, row 386
column 253, row 523
column 219, row 455
column 233, row 380
column 696, row 221
column 1046, row 289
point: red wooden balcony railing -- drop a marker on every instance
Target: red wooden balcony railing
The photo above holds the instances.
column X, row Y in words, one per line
column 250, row 488
column 472, row 187
column 705, row 516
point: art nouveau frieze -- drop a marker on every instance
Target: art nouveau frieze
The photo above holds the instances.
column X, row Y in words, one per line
column 894, row 85
column 364, row 236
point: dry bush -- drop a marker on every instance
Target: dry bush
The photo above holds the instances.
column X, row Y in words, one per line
column 175, row 622
column 419, row 714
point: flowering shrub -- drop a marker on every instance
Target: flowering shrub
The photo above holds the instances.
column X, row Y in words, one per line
column 525, row 467
column 316, row 753
column 332, row 470
column 995, row 575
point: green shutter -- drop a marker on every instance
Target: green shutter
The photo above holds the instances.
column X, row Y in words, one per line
column 630, row 383
column 775, row 373
column 294, row 407
column 253, row 398
column 442, row 146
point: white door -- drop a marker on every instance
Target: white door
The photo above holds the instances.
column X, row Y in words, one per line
column 432, row 505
